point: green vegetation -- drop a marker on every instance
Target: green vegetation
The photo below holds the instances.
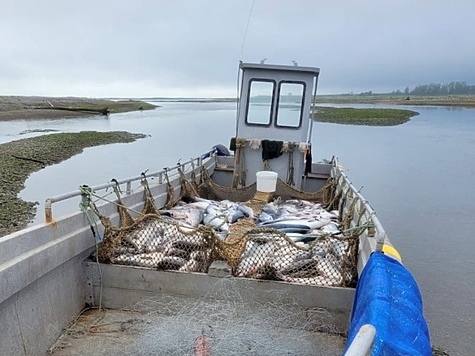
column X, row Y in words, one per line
column 370, row 117
column 18, row 159
column 112, row 106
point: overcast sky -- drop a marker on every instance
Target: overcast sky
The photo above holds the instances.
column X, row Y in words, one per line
column 114, row 48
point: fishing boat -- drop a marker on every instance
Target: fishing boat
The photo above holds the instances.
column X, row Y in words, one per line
column 259, row 219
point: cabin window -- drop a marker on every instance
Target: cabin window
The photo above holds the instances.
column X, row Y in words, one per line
column 290, row 104
column 259, row 106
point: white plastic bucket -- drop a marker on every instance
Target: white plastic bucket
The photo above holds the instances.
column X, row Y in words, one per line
column 266, row 181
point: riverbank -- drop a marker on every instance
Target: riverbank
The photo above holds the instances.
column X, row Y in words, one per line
column 18, row 159
column 387, row 99
column 39, row 107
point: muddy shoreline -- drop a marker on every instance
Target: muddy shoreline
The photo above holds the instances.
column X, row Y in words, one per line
column 40, row 107
column 18, row 159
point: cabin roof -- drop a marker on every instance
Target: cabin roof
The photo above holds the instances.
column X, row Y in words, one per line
column 264, row 66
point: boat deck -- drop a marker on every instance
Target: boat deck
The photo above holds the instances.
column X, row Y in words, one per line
column 149, row 312
column 224, row 330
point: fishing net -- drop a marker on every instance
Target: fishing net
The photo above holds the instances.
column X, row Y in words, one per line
column 225, row 320
column 162, row 242
column 270, row 254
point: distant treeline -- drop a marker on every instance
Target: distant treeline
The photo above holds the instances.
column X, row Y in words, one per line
column 453, row 88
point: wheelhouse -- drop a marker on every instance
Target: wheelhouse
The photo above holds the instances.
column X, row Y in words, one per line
column 273, row 129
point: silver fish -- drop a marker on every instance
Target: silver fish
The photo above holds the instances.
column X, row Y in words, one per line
column 328, row 268
column 234, row 215
column 339, row 248
column 315, row 281
column 331, row 228
column 246, row 210
column 254, row 259
column 140, row 260
column 264, row 217
column 189, row 216
column 190, row 266
column 299, row 265
column 170, row 262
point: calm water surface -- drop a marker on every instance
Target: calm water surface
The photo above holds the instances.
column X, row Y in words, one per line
column 419, row 177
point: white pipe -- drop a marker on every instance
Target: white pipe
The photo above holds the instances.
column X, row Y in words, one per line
column 363, row 341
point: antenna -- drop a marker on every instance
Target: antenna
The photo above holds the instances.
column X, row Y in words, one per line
column 247, row 27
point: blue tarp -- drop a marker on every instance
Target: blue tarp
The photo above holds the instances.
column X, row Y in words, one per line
column 387, row 297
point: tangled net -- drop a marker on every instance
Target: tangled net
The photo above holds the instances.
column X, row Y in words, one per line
column 225, row 320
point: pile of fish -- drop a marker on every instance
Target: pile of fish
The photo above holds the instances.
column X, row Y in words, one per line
column 156, row 243
column 306, row 246
column 300, row 220
column 193, row 211
column 270, row 256
column 316, row 255
column 161, row 245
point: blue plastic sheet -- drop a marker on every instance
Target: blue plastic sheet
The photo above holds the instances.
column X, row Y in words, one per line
column 387, row 297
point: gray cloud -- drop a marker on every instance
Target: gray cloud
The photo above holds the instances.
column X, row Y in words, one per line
column 191, row 48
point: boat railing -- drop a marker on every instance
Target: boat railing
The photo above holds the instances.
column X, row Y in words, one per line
column 353, row 203
column 161, row 176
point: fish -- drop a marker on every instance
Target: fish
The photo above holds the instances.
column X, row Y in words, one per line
column 187, row 245
column 177, row 252
column 316, row 280
column 329, row 215
column 254, row 260
column 170, row 263
column 190, row 266
column 295, row 224
column 216, row 219
column 264, row 217
column 270, row 209
column 298, row 230
column 139, row 260
column 141, row 238
column 339, row 248
column 234, row 215
column 260, row 238
column 246, row 210
column 189, row 216
column 329, row 268
column 296, row 266
column 198, row 256
column 320, row 250
column 331, row 228
column 304, row 238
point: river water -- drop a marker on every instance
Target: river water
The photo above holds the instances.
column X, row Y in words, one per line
column 419, row 177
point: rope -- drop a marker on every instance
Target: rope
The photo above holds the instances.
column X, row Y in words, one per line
column 88, row 191
column 85, row 205
column 170, row 192
column 239, row 176
column 349, row 214
column 290, row 172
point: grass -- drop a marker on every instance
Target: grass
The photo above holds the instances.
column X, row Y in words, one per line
column 112, row 106
column 369, row 117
